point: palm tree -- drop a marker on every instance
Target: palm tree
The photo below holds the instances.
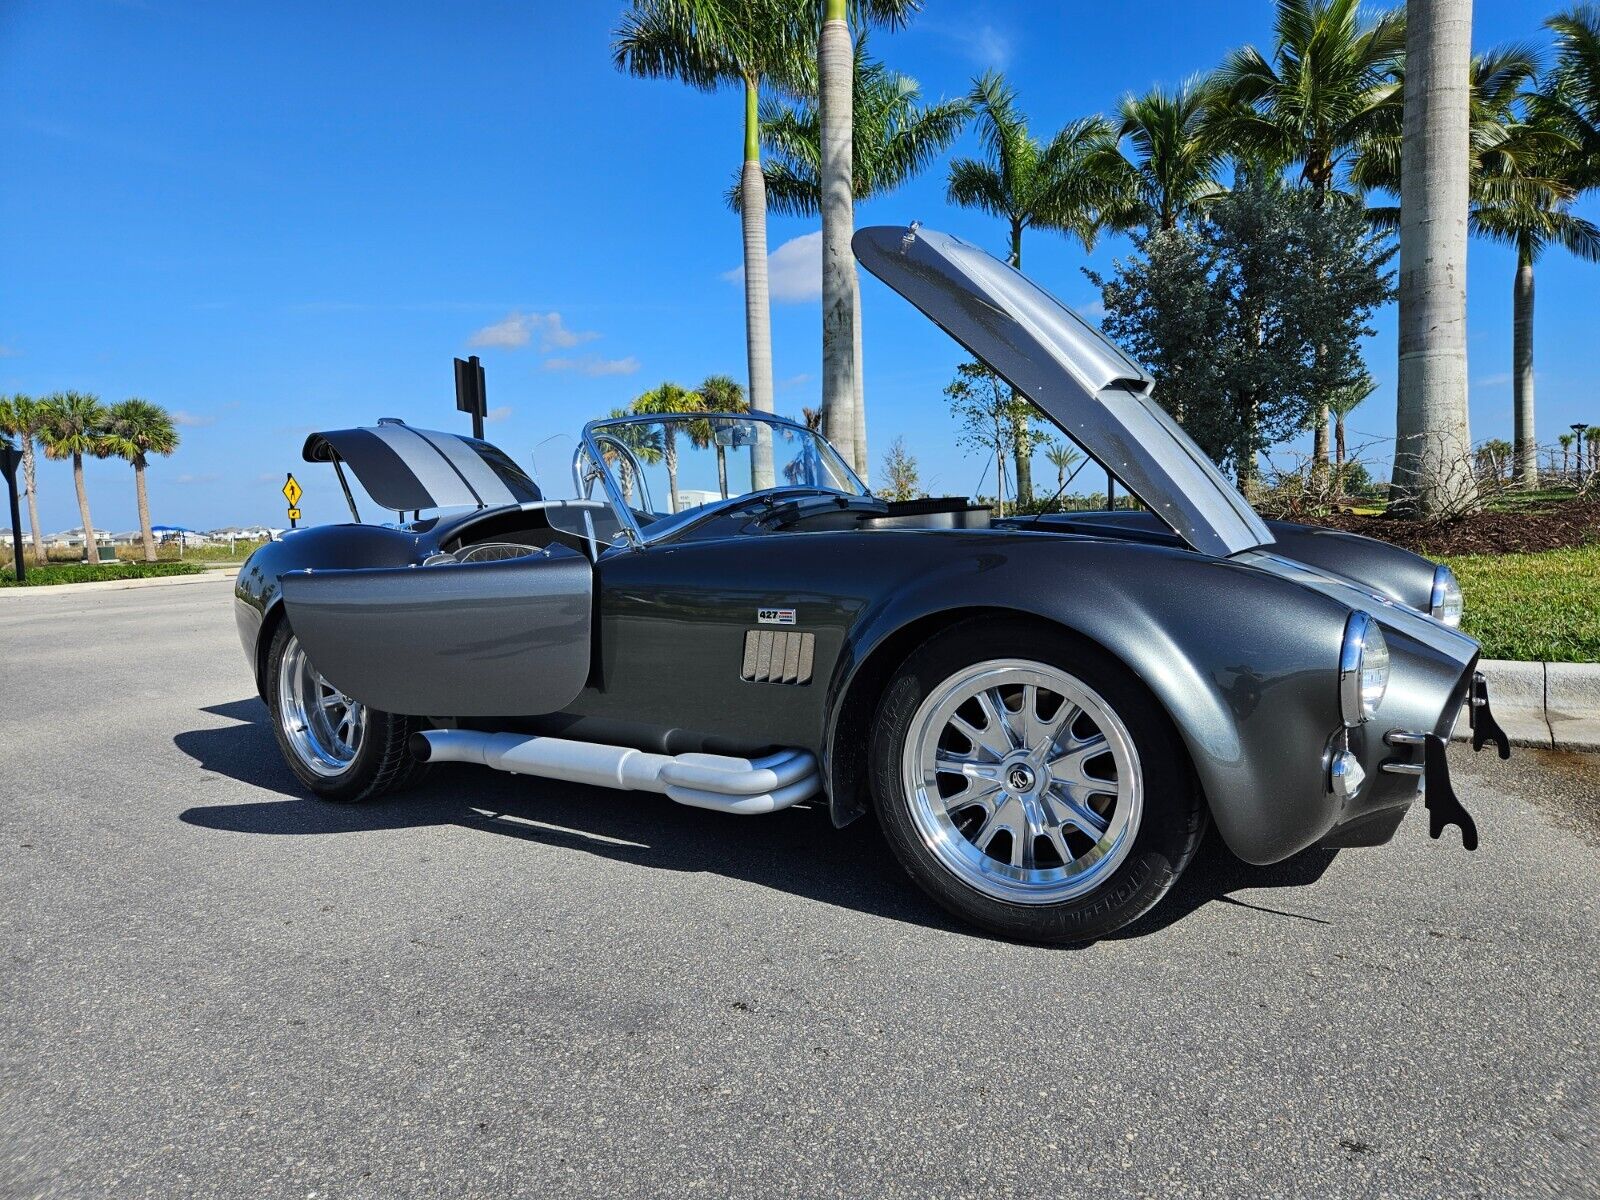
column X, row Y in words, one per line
column 1077, row 183
column 1342, row 401
column 1328, row 85
column 137, row 429
column 1432, row 469
column 1566, row 440
column 709, row 44
column 1524, row 174
column 836, row 119
column 1063, row 457
column 643, row 440
column 721, row 393
column 894, row 138
column 75, row 425
column 1177, row 156
column 666, row 400
column 1574, row 92
column 23, row 417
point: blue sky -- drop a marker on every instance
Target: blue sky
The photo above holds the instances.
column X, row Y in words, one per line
column 278, row 217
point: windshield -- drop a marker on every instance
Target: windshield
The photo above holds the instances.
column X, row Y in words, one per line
column 670, row 468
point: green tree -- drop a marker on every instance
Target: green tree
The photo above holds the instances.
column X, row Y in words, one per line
column 24, row 419
column 895, row 138
column 1176, row 155
column 1566, row 440
column 1077, row 183
column 1573, row 94
column 1244, row 351
column 1343, row 401
column 835, row 88
column 668, row 400
column 75, row 425
column 989, row 412
column 642, row 439
column 900, row 475
column 1063, row 456
column 710, row 44
column 136, row 429
column 1326, row 87
column 720, row 393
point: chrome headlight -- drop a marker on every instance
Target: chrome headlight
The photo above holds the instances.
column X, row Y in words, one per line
column 1445, row 601
column 1363, row 669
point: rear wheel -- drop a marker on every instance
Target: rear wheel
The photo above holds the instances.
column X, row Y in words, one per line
column 337, row 746
column 1030, row 785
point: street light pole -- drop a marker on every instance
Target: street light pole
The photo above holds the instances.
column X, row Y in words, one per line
column 1578, row 429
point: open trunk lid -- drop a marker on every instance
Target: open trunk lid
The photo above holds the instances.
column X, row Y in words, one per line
column 1097, row 395
column 405, row 469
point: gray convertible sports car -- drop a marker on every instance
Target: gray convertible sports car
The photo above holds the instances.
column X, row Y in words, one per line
column 1044, row 713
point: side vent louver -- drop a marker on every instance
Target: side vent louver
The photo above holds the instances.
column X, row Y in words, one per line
column 771, row 656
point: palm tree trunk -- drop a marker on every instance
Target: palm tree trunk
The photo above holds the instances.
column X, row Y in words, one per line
column 144, row 513
column 835, row 71
column 30, row 486
column 1527, row 448
column 757, row 307
column 1319, row 437
column 863, row 464
column 722, row 469
column 1338, row 437
column 1432, row 469
column 669, row 451
column 91, row 548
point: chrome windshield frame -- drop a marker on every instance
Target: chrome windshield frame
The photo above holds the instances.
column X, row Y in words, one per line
column 589, row 447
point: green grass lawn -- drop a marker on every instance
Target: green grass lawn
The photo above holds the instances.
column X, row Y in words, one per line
column 58, row 573
column 1533, row 606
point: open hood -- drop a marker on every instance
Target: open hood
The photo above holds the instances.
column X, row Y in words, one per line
column 405, row 469
column 1097, row 395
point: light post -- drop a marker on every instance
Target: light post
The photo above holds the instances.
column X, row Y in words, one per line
column 1578, row 429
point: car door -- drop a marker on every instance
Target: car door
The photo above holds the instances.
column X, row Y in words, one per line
column 459, row 639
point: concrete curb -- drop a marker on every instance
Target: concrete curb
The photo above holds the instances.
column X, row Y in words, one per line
column 118, row 585
column 1555, row 706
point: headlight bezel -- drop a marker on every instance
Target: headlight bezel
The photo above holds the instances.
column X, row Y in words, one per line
column 1363, row 669
column 1445, row 602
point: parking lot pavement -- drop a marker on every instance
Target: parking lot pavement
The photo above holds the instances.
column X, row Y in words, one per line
column 214, row 986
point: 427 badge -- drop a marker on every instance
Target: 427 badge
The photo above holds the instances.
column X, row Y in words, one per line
column 774, row 616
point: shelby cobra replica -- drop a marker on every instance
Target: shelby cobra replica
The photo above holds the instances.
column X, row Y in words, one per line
column 1044, row 713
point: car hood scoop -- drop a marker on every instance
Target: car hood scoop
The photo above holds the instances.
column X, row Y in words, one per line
column 1094, row 393
column 406, row 469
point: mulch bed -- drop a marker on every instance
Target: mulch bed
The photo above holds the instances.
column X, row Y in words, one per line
column 1561, row 526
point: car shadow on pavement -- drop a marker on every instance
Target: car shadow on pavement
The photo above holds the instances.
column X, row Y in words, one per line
column 796, row 850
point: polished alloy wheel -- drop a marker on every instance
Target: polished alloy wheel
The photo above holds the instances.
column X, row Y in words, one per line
column 1023, row 782
column 322, row 725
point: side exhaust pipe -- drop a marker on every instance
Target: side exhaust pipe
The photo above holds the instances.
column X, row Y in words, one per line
column 721, row 782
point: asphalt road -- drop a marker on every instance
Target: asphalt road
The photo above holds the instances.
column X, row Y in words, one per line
column 213, row 986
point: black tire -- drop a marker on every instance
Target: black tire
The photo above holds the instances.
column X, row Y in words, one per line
column 382, row 762
column 1174, row 815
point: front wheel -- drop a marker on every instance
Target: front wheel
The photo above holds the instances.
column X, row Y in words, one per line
column 337, row 746
column 1030, row 784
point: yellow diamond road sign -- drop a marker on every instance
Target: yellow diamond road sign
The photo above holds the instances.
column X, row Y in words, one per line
column 291, row 492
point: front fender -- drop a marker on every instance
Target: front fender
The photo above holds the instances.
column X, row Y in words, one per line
column 1244, row 664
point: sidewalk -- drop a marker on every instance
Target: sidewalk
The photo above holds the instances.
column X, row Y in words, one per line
column 1553, row 705
column 118, row 585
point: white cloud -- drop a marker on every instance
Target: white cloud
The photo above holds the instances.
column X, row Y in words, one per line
column 792, row 382
column 192, row 420
column 794, row 270
column 591, row 364
column 1092, row 311
column 208, row 477
column 499, row 413
column 518, row 328
column 990, row 47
